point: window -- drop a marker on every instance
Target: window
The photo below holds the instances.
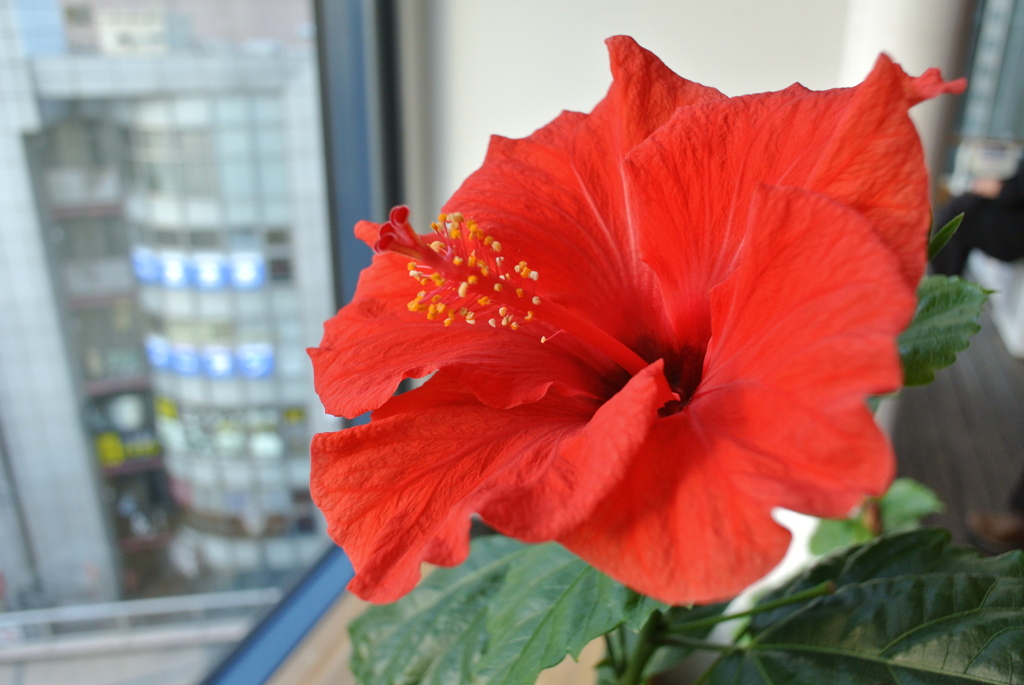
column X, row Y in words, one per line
column 166, row 403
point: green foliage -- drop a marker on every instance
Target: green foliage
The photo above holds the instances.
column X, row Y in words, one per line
column 551, row 604
column 694, row 622
column 943, row 235
column 902, row 507
column 906, row 504
column 835, row 533
column 435, row 634
column 501, row 617
column 908, row 608
column 946, row 317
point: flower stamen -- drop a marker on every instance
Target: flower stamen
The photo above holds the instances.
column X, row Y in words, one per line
column 465, row 278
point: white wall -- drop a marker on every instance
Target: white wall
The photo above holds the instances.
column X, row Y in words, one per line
column 510, row 66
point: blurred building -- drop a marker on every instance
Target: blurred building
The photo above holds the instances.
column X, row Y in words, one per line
column 166, row 262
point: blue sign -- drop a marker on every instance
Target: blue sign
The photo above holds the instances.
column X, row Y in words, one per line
column 218, row 362
column 248, row 271
column 185, row 360
column 255, row 360
column 158, row 351
column 174, row 271
column 146, row 265
column 209, row 272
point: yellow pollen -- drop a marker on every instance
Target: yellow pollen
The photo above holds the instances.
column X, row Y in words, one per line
column 543, row 338
column 460, row 243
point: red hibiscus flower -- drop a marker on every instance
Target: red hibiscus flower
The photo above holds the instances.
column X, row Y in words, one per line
column 647, row 326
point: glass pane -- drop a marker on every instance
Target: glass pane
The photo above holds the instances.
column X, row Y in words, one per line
column 156, row 405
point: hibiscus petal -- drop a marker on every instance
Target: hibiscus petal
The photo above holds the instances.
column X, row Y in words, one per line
column 675, row 528
column 690, row 184
column 540, row 503
column 804, row 329
column 560, row 191
column 643, row 96
column 807, row 322
column 400, row 489
column 530, row 196
column 375, row 341
column 873, row 159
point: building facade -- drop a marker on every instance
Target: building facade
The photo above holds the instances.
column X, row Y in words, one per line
column 173, row 264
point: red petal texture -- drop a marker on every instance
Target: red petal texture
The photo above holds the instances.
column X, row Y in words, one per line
column 779, row 418
column 724, row 281
column 375, row 342
column 528, row 466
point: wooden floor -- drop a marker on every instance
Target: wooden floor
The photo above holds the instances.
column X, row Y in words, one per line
column 963, row 435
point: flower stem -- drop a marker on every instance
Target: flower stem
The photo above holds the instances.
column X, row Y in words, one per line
column 826, row 588
column 642, row 652
column 693, row 642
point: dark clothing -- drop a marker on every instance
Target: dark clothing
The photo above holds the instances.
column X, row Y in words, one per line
column 1017, row 497
column 994, row 226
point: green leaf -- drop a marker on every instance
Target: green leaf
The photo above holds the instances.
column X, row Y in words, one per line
column 901, row 508
column 435, row 634
column 551, row 604
column 906, row 503
column 675, row 621
column 500, row 618
column 832, row 534
column 946, row 317
column 923, row 550
column 943, row 235
column 908, row 609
